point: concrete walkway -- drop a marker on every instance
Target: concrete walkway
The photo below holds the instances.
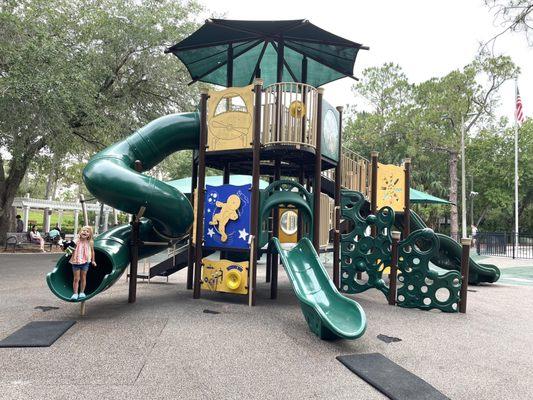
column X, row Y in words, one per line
column 166, row 347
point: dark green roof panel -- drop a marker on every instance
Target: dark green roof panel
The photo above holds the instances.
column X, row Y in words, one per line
column 255, row 45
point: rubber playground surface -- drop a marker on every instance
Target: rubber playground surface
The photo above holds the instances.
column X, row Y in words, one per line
column 169, row 346
column 514, row 272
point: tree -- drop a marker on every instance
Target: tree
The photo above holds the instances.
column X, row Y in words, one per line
column 461, row 100
column 390, row 95
column 423, row 121
column 513, row 16
column 491, row 161
column 77, row 75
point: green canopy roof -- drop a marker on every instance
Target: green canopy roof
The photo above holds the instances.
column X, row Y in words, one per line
column 232, row 53
column 184, row 185
column 417, row 196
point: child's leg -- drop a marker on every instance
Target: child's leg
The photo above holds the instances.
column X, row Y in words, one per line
column 76, row 280
column 222, row 230
column 83, row 281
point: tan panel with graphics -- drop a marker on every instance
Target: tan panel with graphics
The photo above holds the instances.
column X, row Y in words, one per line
column 230, row 118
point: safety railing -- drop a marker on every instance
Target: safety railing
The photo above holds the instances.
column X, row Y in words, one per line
column 505, row 244
column 355, row 172
column 290, row 114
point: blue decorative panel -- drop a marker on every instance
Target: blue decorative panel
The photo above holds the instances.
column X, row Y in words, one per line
column 227, row 216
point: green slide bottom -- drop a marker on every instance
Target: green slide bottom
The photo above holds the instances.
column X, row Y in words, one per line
column 112, row 253
column 115, row 177
column 449, row 256
column 329, row 314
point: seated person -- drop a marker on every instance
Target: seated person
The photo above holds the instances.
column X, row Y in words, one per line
column 20, row 224
column 55, row 235
column 35, row 237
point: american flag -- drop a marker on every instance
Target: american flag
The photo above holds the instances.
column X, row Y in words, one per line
column 519, row 113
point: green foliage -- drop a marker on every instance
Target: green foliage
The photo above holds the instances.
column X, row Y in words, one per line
column 423, row 121
column 177, row 165
column 384, row 130
column 76, row 76
column 490, row 158
column 90, row 70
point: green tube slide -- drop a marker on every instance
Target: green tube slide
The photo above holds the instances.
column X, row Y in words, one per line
column 111, row 177
column 329, row 314
column 449, row 255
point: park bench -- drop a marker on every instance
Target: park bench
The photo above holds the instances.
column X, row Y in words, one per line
column 20, row 239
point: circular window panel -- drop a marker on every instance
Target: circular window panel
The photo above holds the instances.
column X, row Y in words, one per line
column 289, row 222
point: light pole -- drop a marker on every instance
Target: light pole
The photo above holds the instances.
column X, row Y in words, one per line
column 463, row 180
column 463, row 175
column 463, row 170
column 472, row 195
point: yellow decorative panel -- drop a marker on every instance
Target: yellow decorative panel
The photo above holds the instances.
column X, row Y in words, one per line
column 225, row 276
column 391, row 187
column 230, row 118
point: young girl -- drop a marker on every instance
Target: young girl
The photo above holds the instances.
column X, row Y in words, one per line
column 81, row 259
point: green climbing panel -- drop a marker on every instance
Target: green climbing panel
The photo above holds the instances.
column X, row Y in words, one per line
column 361, row 252
column 422, row 285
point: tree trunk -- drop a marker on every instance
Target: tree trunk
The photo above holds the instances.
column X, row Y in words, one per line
column 50, row 182
column 10, row 184
column 482, row 216
column 454, row 225
column 7, row 194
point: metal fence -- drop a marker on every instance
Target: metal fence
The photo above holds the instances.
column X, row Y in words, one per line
column 506, row 244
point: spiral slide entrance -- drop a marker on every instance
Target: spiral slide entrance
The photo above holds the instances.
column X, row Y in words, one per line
column 112, row 178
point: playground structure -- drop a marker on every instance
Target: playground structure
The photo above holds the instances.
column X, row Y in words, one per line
column 287, row 133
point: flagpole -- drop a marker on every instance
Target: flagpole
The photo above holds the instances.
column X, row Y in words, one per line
column 516, row 176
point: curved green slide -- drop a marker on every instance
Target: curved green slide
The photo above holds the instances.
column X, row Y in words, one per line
column 329, row 314
column 112, row 178
column 449, row 255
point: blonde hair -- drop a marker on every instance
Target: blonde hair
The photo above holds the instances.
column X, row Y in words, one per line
column 91, row 234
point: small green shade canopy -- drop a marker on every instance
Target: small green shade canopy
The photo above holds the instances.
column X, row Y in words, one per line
column 232, row 53
column 416, row 196
column 184, row 185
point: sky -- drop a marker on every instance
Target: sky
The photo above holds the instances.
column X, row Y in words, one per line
column 427, row 38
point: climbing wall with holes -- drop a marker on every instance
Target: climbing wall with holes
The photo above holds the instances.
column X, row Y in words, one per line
column 420, row 284
column 361, row 252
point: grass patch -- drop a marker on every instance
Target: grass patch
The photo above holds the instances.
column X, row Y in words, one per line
column 36, row 217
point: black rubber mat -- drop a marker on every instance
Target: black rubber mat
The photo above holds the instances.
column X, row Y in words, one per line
column 37, row 334
column 389, row 378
